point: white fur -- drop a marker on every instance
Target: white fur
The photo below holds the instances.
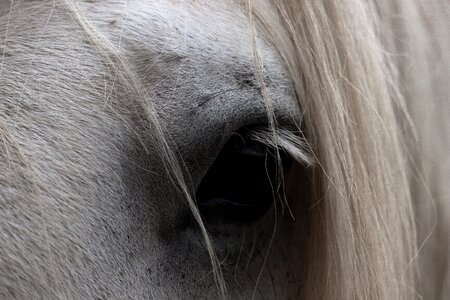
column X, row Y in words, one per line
column 87, row 207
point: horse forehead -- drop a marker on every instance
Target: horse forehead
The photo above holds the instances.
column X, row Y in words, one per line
column 213, row 33
column 191, row 52
column 209, row 21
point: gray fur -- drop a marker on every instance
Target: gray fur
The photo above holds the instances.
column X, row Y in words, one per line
column 87, row 209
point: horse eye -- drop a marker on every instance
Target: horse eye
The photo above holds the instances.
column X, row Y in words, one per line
column 242, row 183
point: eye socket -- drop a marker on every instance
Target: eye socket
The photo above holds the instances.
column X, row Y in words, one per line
column 241, row 184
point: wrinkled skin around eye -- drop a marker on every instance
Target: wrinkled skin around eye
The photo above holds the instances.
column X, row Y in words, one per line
column 90, row 209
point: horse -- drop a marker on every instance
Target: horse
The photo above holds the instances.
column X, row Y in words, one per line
column 236, row 149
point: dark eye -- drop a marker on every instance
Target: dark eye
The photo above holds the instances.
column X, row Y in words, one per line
column 243, row 181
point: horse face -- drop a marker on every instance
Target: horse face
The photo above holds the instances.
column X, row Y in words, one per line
column 88, row 206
